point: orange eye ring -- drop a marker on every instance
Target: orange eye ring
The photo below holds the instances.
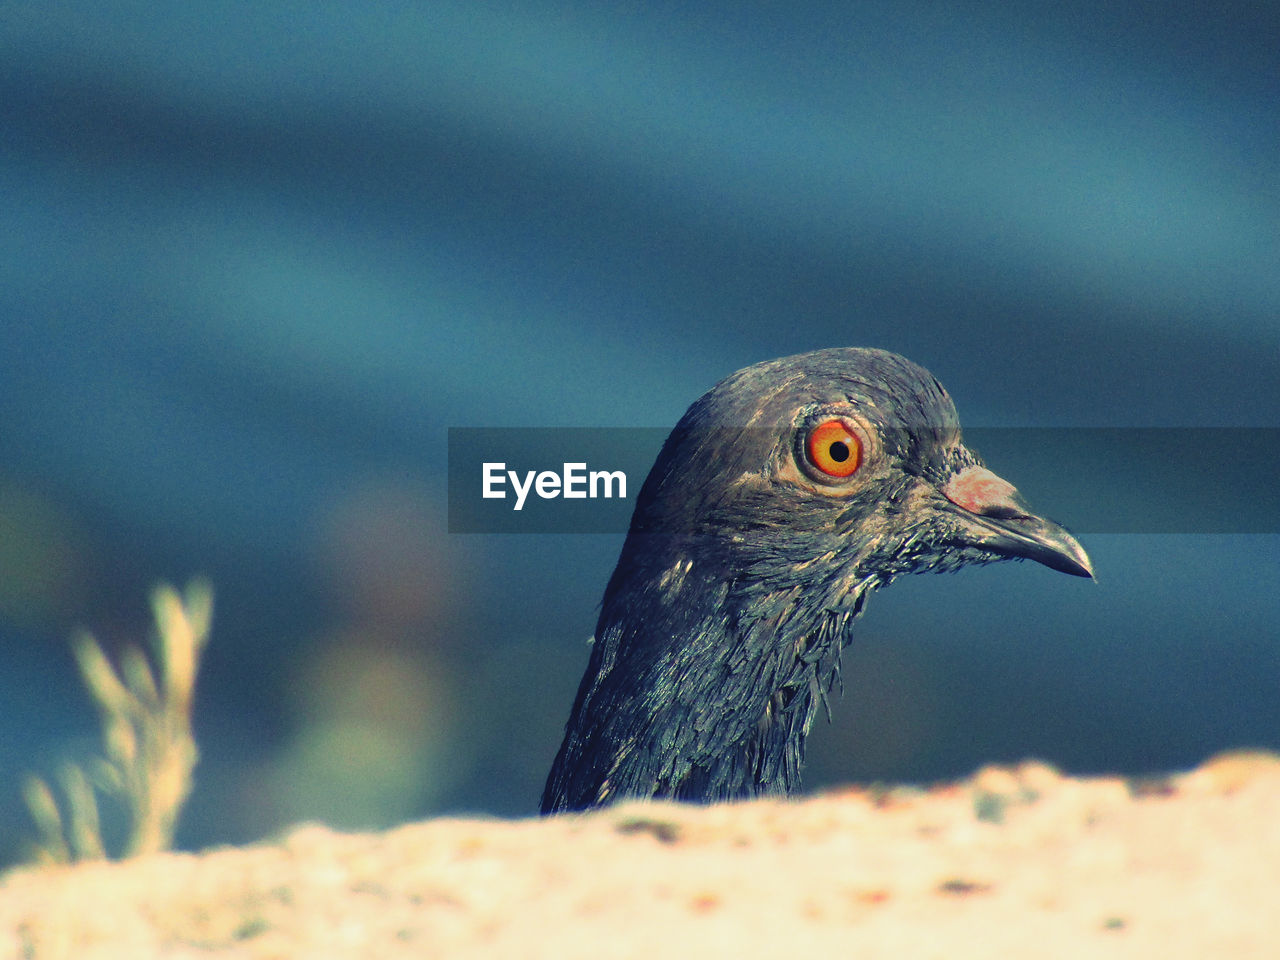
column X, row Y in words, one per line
column 834, row 448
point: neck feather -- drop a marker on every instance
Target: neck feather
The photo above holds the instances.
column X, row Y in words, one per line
column 700, row 690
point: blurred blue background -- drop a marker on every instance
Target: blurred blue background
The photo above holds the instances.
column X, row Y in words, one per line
column 257, row 258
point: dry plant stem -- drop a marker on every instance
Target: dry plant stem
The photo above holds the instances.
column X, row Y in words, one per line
column 84, row 831
column 146, row 728
column 52, row 845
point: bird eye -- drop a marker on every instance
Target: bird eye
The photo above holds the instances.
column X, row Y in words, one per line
column 834, row 448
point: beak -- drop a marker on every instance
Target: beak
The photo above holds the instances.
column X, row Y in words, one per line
column 997, row 520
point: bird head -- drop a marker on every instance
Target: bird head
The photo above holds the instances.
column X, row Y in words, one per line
column 784, row 496
column 848, row 461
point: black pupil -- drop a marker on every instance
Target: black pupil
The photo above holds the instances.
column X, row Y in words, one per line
column 839, row 451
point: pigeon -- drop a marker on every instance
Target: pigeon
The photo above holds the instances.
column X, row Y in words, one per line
column 784, row 496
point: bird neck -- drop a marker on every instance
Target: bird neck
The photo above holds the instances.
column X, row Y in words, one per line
column 700, row 688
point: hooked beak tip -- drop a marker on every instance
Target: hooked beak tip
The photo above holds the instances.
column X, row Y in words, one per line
column 1001, row 523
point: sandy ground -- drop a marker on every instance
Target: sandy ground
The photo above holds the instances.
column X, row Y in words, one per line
column 1014, row 862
